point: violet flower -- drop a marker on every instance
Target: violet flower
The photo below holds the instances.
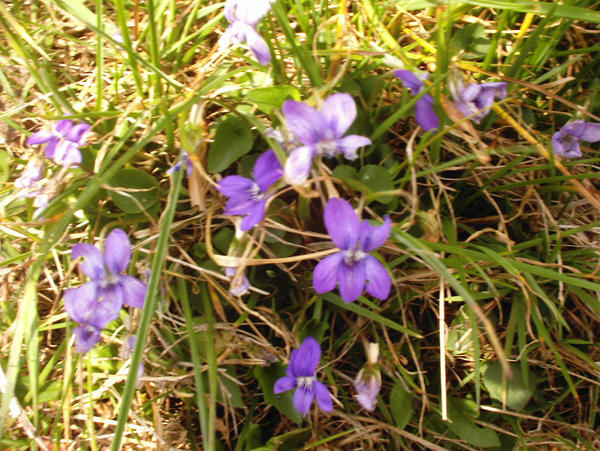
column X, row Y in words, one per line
column 425, row 115
column 352, row 267
column 239, row 285
column 368, row 381
column 301, row 374
column 565, row 142
column 31, row 175
column 243, row 17
column 249, row 197
column 96, row 303
column 321, row 132
column 476, row 100
column 62, row 143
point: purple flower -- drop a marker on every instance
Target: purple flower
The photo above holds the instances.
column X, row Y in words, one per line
column 565, row 142
column 476, row 100
column 243, row 17
column 248, row 197
column 31, row 175
column 239, row 284
column 352, row 267
column 97, row 303
column 184, row 160
column 301, row 374
column 63, row 142
column 368, row 381
column 424, row 113
column 321, row 132
column 127, row 351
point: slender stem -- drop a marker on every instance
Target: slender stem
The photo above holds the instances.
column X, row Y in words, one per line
column 212, row 367
column 90, row 417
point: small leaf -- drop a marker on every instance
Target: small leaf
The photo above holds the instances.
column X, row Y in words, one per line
column 401, row 405
column 377, row 179
column 273, row 97
column 519, row 391
column 233, row 139
column 133, row 190
column 463, row 424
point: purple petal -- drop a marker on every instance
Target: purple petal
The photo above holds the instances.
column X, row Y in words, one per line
column 352, row 280
column 249, row 12
column 239, row 285
column 86, row 337
column 109, row 305
column 325, row 276
column 134, row 291
column 298, row 164
column 341, row 223
column 304, row 360
column 267, row 170
column 425, row 115
column 241, row 205
column 586, row 131
column 80, row 302
column 303, row 398
column 77, row 133
column 411, row 81
column 39, row 137
column 565, row 145
column 63, row 126
column 257, row 214
column 51, row 147
column 234, row 184
column 303, row 121
column 284, row 384
column 372, row 237
column 93, row 260
column 259, row 47
column 379, row 280
column 66, row 154
column 117, row 251
column 339, row 111
column 350, row 144
column 498, row 87
column 323, row 396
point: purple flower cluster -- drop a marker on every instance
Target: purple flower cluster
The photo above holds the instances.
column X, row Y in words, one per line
column 98, row 302
column 243, row 17
column 62, row 143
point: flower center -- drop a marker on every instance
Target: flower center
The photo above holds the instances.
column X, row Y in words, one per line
column 305, row 382
column 256, row 193
column 109, row 280
column 352, row 256
column 327, row 148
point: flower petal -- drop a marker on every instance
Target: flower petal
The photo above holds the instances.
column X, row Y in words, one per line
column 379, row 281
column 372, row 237
column 39, row 137
column 63, row 126
column 323, row 396
column 304, row 360
column 93, row 260
column 80, row 302
column 267, row 170
column 348, row 145
column 232, row 185
column 66, row 153
column 297, row 166
column 303, row 398
column 86, row 337
column 109, row 305
column 303, row 121
column 259, row 47
column 134, row 291
column 352, row 280
column 284, row 383
column 339, row 112
column 425, row 115
column 565, row 145
column 51, row 147
column 325, row 276
column 117, row 251
column 411, row 81
column 77, row 133
column 256, row 215
column 341, row 223
column 586, row 131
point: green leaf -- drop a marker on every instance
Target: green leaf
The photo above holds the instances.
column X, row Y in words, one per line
column 134, row 191
column 519, row 390
column 377, row 179
column 233, row 139
column 463, row 424
column 401, row 405
column 4, row 165
column 472, row 40
column 267, row 375
column 273, row 97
